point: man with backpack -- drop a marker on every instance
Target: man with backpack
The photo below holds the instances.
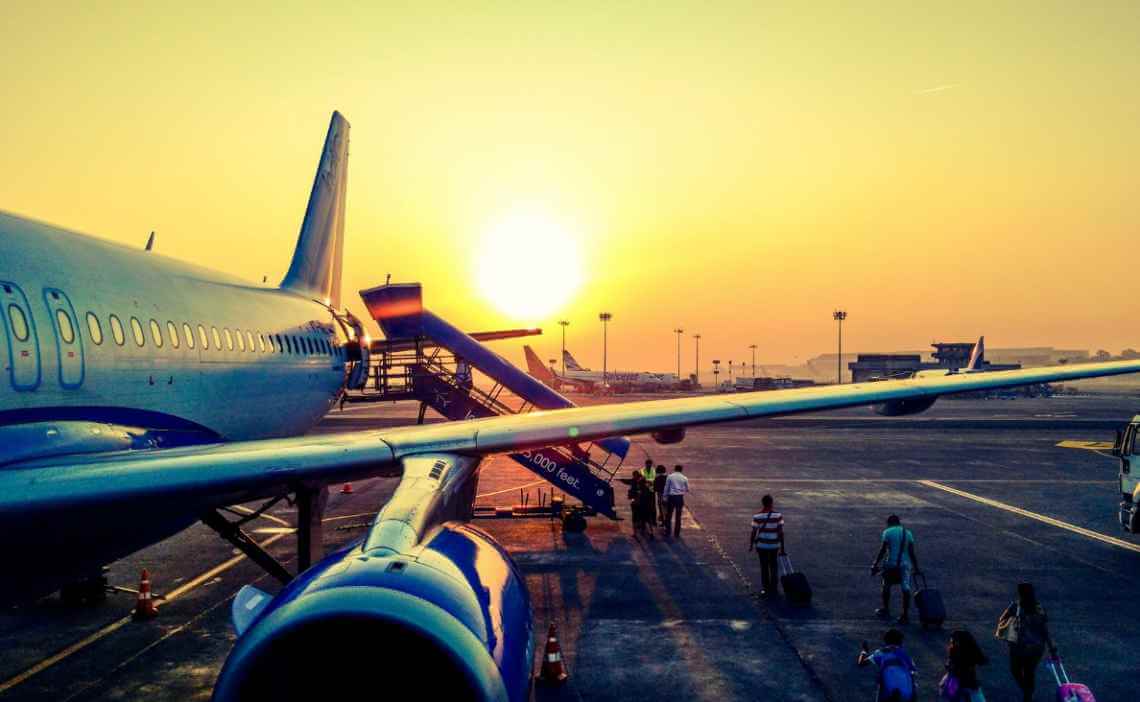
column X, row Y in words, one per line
column 900, row 563
column 895, row 668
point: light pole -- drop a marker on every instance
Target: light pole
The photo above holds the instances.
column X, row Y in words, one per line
column 753, row 347
column 604, row 317
column 564, row 323
column 678, row 331
column 730, row 371
column 716, row 374
column 839, row 316
column 697, row 367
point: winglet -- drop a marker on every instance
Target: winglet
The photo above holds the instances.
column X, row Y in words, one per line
column 316, row 265
column 977, row 356
column 535, row 366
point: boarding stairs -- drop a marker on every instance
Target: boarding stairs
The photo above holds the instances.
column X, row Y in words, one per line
column 437, row 378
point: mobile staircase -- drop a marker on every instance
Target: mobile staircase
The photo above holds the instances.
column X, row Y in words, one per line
column 426, row 359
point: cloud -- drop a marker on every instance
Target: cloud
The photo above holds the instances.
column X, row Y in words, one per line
column 936, row 89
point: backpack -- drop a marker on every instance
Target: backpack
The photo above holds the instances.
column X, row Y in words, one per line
column 895, row 681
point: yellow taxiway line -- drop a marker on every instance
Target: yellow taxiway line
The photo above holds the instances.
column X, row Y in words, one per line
column 1087, row 533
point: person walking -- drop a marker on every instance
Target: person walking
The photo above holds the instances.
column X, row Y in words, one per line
column 676, row 487
column 896, row 670
column 635, row 508
column 647, row 472
column 963, row 656
column 659, row 492
column 768, row 540
column 900, row 562
column 1025, row 627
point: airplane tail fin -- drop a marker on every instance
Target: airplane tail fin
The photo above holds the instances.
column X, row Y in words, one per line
column 571, row 364
column 316, row 266
column 535, row 366
column 977, row 356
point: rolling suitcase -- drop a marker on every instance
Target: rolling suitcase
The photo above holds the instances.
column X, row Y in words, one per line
column 795, row 584
column 1068, row 691
column 928, row 601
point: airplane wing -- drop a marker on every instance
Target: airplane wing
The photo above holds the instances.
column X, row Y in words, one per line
column 227, row 473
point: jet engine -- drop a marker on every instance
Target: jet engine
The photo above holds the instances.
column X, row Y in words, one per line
column 450, row 619
column 669, row 436
column 900, row 408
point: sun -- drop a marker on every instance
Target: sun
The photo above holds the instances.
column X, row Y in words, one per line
column 527, row 264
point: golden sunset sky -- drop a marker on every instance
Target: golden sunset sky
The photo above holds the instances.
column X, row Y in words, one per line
column 738, row 169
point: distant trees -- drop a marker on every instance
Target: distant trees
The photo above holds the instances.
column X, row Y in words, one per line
column 1101, row 355
column 1129, row 354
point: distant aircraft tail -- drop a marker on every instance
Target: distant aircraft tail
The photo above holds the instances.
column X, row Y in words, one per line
column 316, row 266
column 977, row 356
column 535, row 366
column 571, row 364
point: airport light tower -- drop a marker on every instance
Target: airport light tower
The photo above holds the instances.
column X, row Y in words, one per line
column 564, row 323
column 716, row 374
column 697, row 367
column 678, row 331
column 605, row 317
column 839, row 316
column 753, row 347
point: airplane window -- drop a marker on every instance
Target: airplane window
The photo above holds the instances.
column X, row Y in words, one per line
column 172, row 332
column 188, row 334
column 156, row 333
column 19, row 322
column 137, row 332
column 229, row 338
column 203, row 338
column 66, row 331
column 240, row 340
column 217, row 339
column 117, row 330
column 93, row 329
column 261, row 341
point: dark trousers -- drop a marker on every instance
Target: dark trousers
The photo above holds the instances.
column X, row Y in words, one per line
column 769, row 573
column 661, row 508
column 1023, row 661
column 674, row 504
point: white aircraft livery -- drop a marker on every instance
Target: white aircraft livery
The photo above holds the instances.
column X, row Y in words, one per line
column 140, row 395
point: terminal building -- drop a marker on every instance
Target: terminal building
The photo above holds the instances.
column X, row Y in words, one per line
column 947, row 356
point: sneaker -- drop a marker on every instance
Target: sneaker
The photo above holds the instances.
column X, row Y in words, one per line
column 883, row 612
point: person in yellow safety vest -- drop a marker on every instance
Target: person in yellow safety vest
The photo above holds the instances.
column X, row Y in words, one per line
column 647, row 472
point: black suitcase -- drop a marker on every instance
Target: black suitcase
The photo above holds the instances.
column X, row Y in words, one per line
column 928, row 600
column 795, row 584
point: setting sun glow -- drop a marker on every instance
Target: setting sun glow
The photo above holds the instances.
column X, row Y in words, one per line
column 528, row 265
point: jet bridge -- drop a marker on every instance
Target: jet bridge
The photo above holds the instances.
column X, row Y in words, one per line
column 424, row 358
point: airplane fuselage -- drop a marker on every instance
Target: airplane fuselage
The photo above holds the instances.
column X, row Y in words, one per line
column 99, row 332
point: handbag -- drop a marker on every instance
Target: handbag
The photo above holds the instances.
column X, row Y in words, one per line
column 892, row 575
column 948, row 687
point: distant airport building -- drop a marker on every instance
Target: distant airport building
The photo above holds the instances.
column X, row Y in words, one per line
column 948, row 356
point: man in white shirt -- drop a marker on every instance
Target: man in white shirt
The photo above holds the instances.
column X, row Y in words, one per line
column 676, row 487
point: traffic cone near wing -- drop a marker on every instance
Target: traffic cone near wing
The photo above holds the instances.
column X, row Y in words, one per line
column 144, row 605
column 553, row 671
column 347, row 489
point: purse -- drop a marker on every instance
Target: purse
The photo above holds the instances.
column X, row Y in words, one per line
column 948, row 687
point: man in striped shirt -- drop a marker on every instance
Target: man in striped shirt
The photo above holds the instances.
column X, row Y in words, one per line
column 768, row 540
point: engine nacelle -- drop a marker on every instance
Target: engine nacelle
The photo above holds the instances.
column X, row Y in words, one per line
column 451, row 619
column 900, row 408
column 669, row 436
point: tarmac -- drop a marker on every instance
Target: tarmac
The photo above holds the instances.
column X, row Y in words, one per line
column 990, row 497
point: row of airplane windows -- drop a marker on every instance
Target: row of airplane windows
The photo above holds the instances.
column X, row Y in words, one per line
column 241, row 340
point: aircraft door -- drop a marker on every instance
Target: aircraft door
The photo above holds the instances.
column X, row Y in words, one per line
column 23, row 353
column 68, row 340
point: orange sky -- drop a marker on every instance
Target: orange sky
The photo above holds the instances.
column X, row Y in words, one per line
column 737, row 170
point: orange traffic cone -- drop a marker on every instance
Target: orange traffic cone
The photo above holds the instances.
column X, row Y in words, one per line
column 144, row 605
column 553, row 670
column 347, row 489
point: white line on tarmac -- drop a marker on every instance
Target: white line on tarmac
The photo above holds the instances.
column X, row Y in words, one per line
column 517, row 487
column 1087, row 533
column 119, row 623
column 897, row 480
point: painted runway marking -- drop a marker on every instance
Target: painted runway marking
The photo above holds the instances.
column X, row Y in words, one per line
column 1043, row 481
column 518, row 487
column 119, row 623
column 1087, row 533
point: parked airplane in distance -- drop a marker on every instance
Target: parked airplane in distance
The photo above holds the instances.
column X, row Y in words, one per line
column 586, row 380
column 144, row 394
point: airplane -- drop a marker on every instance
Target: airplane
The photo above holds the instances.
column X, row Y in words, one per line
column 141, row 394
column 586, row 380
column 976, row 364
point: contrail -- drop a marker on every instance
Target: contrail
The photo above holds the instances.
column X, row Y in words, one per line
column 936, row 89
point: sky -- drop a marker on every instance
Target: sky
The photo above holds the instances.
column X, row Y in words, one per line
column 738, row 170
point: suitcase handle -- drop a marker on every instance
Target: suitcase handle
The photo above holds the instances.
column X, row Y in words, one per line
column 784, row 565
column 1054, row 664
column 916, row 576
